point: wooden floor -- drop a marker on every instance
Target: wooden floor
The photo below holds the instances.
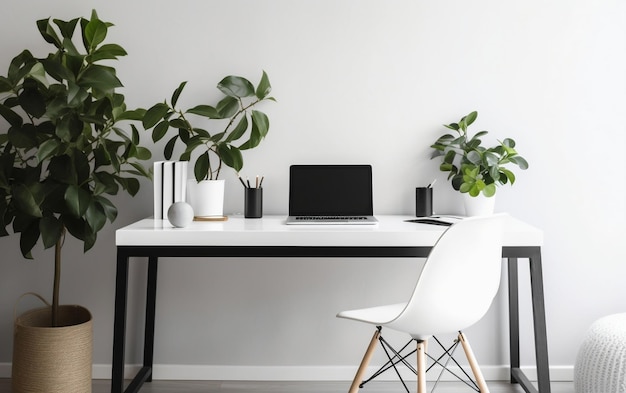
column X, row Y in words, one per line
column 104, row 386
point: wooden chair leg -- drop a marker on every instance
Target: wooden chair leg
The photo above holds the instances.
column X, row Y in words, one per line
column 480, row 380
column 421, row 366
column 358, row 378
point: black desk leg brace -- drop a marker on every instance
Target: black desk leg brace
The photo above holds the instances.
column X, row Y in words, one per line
column 539, row 319
column 119, row 334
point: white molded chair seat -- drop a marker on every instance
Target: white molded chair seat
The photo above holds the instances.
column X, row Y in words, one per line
column 456, row 287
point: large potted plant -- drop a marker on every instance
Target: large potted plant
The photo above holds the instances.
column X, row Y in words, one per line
column 476, row 170
column 237, row 126
column 62, row 154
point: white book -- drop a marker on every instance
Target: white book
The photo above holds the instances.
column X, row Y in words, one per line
column 157, row 181
column 180, row 180
column 168, row 186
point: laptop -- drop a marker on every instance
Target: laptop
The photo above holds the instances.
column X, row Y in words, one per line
column 331, row 194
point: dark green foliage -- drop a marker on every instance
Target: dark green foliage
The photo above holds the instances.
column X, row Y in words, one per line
column 235, row 108
column 474, row 168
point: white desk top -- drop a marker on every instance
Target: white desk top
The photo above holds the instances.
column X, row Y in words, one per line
column 391, row 231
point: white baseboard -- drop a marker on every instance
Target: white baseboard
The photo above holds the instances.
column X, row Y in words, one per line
column 295, row 373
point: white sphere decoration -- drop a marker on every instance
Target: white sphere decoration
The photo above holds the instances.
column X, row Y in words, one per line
column 180, row 214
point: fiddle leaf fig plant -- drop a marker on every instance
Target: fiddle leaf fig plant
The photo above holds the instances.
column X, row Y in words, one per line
column 233, row 116
column 62, row 150
column 473, row 168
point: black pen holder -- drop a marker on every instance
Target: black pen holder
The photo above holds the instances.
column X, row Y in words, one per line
column 253, row 203
column 423, row 201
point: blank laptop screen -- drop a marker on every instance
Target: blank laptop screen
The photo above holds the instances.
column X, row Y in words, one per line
column 330, row 190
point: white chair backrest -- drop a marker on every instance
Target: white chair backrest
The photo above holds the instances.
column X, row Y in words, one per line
column 459, row 280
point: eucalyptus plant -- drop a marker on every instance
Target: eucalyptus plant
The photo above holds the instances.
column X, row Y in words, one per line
column 63, row 152
column 474, row 168
column 234, row 117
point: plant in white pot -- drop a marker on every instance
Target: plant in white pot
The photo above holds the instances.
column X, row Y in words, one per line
column 475, row 170
column 62, row 153
column 239, row 127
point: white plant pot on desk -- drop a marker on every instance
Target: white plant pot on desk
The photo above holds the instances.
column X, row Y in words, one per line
column 479, row 205
column 206, row 197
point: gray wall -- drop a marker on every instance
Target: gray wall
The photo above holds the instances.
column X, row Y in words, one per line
column 359, row 82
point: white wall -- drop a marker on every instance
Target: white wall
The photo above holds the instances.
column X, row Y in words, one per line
column 365, row 82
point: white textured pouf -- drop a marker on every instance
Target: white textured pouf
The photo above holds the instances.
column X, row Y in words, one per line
column 601, row 361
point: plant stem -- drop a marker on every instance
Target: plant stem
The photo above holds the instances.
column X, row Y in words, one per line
column 57, row 278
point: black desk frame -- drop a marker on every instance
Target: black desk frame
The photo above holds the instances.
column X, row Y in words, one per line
column 153, row 253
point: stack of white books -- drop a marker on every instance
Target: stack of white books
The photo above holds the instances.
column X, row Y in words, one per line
column 170, row 185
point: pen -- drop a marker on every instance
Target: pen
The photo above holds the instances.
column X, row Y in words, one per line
column 261, row 182
column 431, row 183
column 257, row 181
column 248, row 181
column 241, row 180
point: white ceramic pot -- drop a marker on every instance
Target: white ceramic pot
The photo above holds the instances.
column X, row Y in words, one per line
column 206, row 198
column 479, row 205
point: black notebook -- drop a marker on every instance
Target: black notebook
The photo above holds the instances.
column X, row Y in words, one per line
column 331, row 194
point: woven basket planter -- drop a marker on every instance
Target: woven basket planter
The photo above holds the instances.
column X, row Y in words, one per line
column 53, row 359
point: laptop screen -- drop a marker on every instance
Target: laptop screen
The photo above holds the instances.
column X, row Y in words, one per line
column 330, row 190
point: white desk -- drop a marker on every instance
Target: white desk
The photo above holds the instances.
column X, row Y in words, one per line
column 270, row 237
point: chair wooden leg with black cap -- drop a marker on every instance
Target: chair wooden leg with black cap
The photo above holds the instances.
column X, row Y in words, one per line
column 421, row 366
column 358, row 378
column 469, row 354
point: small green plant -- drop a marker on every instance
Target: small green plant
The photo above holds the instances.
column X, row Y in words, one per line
column 234, row 110
column 64, row 152
column 474, row 168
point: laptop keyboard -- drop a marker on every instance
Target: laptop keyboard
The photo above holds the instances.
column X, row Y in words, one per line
column 330, row 218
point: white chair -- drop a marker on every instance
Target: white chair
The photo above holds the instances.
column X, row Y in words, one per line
column 455, row 289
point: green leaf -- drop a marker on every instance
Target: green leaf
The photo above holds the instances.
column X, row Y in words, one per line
column 108, row 207
column 66, row 28
column 47, row 149
column 5, row 84
column 107, row 52
column 132, row 185
column 95, row 217
column 154, row 115
column 261, row 122
column 227, row 107
column 201, row 167
column 519, row 161
column 143, row 153
column 236, row 86
column 160, row 130
column 77, row 200
column 239, row 130
column 231, row 156
column 469, row 119
column 169, row 147
column 264, row 88
column 94, row 33
column 100, row 78
column 177, row 92
column 489, row 190
column 509, row 175
column 25, row 200
column 31, row 100
column 179, row 123
column 10, row 116
column 51, row 229
column 206, row 111
column 137, row 114
column 47, row 32
column 29, row 238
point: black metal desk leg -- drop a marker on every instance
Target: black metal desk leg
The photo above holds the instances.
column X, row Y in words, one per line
column 539, row 318
column 513, row 316
column 148, row 346
column 119, row 327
